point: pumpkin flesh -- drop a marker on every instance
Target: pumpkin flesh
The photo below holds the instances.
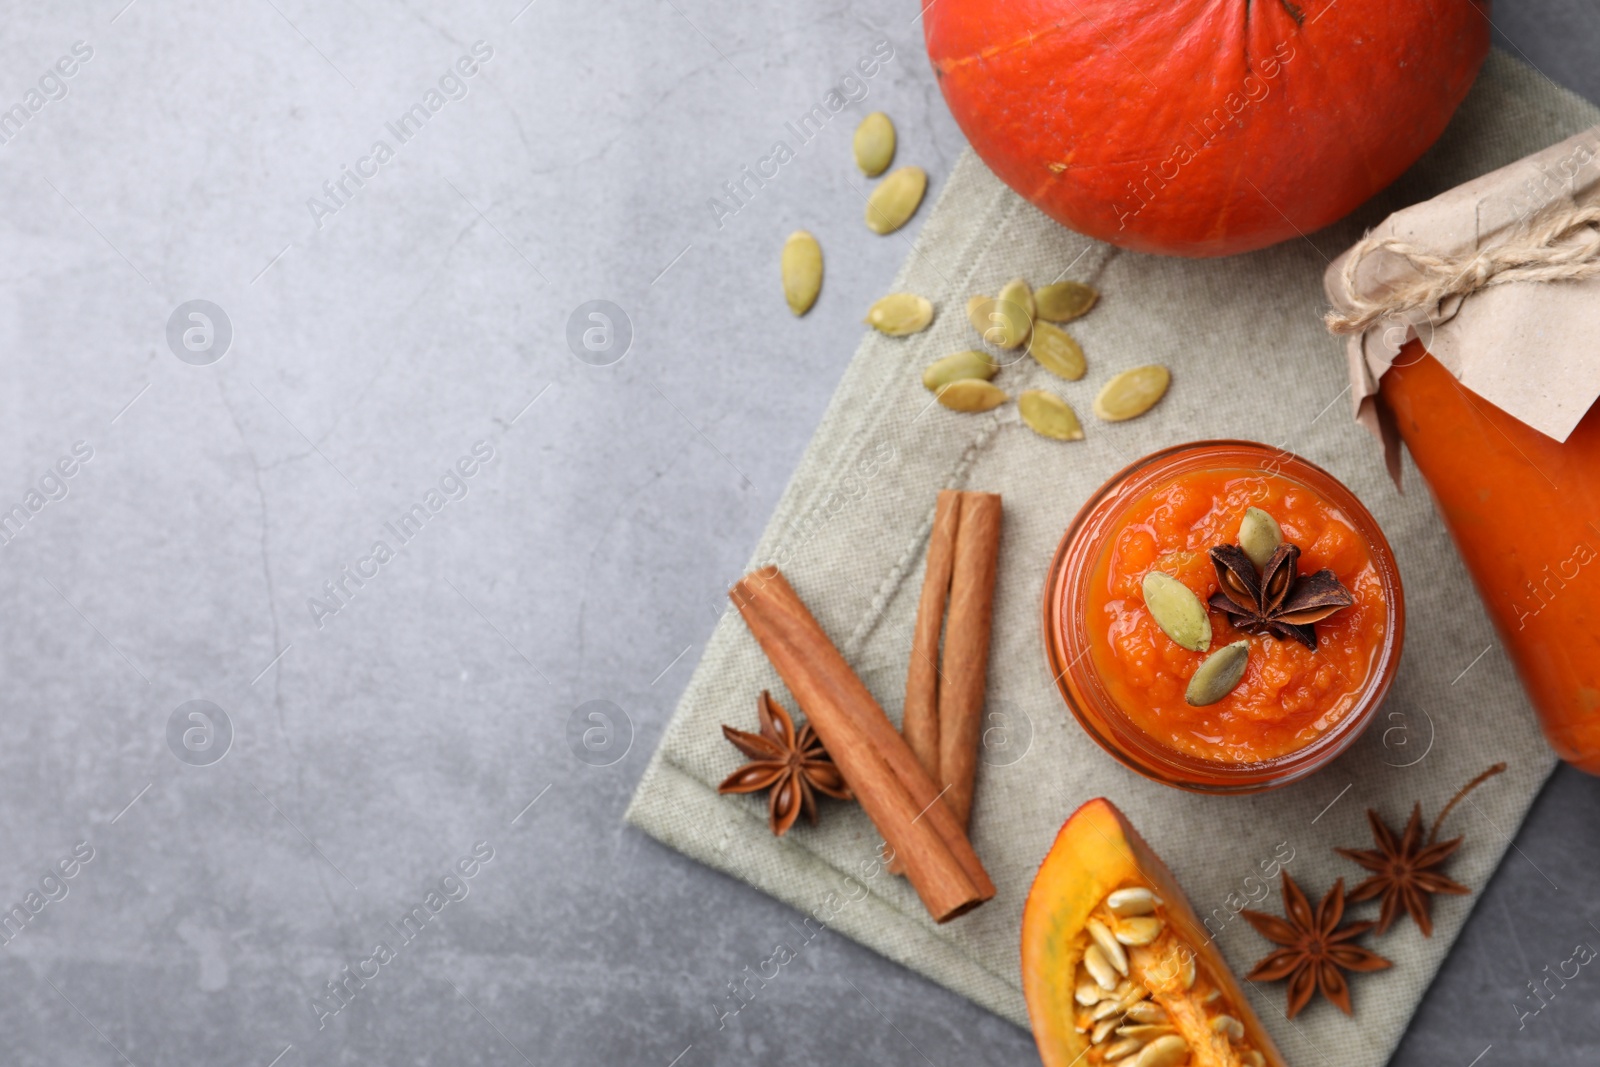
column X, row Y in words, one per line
column 1096, row 853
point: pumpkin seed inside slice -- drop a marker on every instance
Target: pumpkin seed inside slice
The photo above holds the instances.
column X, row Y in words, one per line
column 900, row 314
column 891, row 205
column 958, row 366
column 1218, row 675
column 801, row 264
column 1055, row 350
column 874, row 144
column 1049, row 416
column 972, row 394
column 1178, row 612
column 1132, row 393
column 1064, row 301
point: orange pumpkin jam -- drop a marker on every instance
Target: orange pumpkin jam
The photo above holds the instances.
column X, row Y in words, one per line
column 1290, row 695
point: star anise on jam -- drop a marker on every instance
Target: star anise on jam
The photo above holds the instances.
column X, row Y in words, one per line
column 794, row 766
column 1316, row 950
column 1277, row 600
column 1404, row 868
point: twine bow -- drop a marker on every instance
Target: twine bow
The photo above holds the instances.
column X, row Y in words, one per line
column 1543, row 253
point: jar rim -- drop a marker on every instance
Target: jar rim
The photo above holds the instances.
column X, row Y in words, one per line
column 1078, row 682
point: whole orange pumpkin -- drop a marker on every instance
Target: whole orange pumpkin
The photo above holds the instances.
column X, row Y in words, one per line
column 1202, row 127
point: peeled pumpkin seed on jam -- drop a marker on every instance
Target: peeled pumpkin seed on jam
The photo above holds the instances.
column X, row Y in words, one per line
column 1049, row 416
column 1178, row 612
column 972, row 394
column 802, row 271
column 1055, row 350
column 1064, row 301
column 958, row 366
column 874, row 144
column 900, row 314
column 891, row 205
column 1259, row 535
column 1218, row 675
column 1132, row 393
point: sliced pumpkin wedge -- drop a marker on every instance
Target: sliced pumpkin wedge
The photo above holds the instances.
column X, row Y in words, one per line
column 1117, row 968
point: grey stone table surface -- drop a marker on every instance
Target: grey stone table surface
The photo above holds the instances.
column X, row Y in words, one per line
column 345, row 606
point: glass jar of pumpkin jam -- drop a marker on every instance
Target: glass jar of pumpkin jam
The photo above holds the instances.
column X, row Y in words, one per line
column 1524, row 510
column 1295, row 708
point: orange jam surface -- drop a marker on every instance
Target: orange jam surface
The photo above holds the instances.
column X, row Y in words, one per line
column 1290, row 695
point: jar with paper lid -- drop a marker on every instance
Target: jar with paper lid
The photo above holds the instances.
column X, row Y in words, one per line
column 1524, row 511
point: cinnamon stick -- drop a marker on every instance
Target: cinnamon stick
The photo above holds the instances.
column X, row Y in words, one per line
column 965, row 664
column 920, row 723
column 882, row 771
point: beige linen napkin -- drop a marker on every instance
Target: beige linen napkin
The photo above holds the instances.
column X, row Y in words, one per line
column 1250, row 358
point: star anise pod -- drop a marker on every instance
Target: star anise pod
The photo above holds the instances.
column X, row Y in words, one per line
column 1279, row 600
column 1404, row 868
column 794, row 766
column 1316, row 949
column 1404, row 876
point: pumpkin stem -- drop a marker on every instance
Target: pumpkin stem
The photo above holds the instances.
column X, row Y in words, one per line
column 1459, row 797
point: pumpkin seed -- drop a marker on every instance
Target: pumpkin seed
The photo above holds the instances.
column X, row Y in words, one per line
column 1064, row 301
column 874, row 144
column 1166, row 1051
column 1140, row 930
column 1148, row 1011
column 1251, row 1058
column 900, row 314
column 1104, row 1029
column 1016, row 291
column 1101, row 935
column 1259, row 535
column 1049, row 416
column 1189, row 974
column 1107, row 1008
column 1099, row 968
column 1177, row 611
column 1132, row 393
column 1125, row 1046
column 1147, row 1031
column 891, row 205
column 802, row 271
column 1217, row 676
column 958, row 366
column 1135, row 900
column 1014, row 306
column 1056, row 351
column 972, row 394
column 1088, row 992
column 978, row 310
column 1227, row 1024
